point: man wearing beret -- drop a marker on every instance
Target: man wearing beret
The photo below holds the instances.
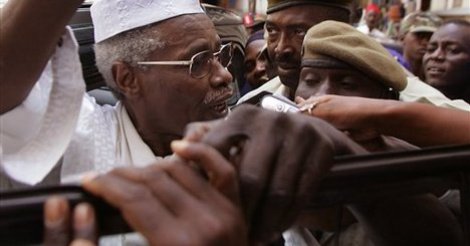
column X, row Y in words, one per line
column 339, row 60
column 286, row 24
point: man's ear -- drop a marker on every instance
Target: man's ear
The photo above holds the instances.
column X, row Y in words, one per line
column 125, row 78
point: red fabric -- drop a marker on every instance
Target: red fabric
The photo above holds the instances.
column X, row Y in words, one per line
column 372, row 7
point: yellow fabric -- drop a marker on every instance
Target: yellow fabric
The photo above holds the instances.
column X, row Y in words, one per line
column 344, row 43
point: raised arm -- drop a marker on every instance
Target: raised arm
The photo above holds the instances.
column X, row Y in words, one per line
column 417, row 123
column 29, row 32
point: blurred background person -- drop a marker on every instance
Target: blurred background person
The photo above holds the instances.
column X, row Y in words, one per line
column 393, row 21
column 230, row 28
column 257, row 65
column 447, row 60
column 373, row 19
column 415, row 31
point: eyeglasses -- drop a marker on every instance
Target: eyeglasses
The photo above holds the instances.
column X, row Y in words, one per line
column 200, row 64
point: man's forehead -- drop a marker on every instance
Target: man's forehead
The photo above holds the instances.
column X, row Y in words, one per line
column 310, row 14
column 278, row 5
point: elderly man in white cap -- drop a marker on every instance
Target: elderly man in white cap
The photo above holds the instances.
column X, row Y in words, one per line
column 163, row 78
column 52, row 131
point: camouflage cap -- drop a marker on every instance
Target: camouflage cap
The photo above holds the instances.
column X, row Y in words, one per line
column 276, row 5
column 228, row 24
column 420, row 22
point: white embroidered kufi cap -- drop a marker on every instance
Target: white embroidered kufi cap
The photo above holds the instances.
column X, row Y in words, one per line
column 111, row 17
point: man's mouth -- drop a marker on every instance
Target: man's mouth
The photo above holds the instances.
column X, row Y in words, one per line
column 219, row 104
column 286, row 65
column 284, row 70
column 435, row 71
column 263, row 79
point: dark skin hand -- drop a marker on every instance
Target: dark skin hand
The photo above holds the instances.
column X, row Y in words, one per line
column 170, row 203
column 281, row 159
column 366, row 118
column 58, row 228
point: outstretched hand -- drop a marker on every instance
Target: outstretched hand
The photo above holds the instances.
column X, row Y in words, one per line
column 351, row 115
column 169, row 202
column 280, row 160
column 172, row 204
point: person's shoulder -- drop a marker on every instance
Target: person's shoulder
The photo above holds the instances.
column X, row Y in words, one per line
column 418, row 91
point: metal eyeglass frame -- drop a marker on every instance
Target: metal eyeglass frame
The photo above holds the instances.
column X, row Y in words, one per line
column 191, row 61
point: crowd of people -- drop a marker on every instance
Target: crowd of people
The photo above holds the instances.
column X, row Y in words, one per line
column 186, row 169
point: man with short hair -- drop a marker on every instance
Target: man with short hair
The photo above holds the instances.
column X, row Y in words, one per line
column 447, row 60
column 415, row 31
column 339, row 60
column 286, row 24
column 373, row 20
column 257, row 67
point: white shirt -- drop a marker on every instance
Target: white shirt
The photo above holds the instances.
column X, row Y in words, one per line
column 59, row 123
column 59, row 127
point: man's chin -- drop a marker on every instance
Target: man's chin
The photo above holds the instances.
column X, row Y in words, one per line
column 290, row 81
column 289, row 77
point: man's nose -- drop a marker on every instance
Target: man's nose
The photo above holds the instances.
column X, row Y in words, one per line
column 284, row 45
column 220, row 75
column 260, row 67
column 437, row 54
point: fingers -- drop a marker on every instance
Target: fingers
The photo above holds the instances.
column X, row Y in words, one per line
column 135, row 201
column 196, row 131
column 281, row 203
column 84, row 224
column 56, row 222
column 82, row 242
column 256, row 166
column 170, row 204
column 299, row 100
column 307, row 106
column 221, row 173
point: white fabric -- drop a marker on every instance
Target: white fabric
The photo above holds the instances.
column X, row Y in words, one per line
column 375, row 33
column 111, row 17
column 418, row 91
column 415, row 91
column 31, row 142
column 73, row 129
column 65, row 126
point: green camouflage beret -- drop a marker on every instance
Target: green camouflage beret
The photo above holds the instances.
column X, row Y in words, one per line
column 275, row 5
column 346, row 44
column 228, row 24
column 420, row 22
